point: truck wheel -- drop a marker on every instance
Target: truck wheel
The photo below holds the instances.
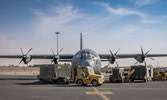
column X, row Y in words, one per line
column 94, row 83
column 159, row 78
column 79, row 82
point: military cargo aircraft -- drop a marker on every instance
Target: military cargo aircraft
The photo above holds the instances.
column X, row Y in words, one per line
column 84, row 57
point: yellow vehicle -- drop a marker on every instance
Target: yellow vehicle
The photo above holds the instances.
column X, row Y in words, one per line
column 127, row 78
column 124, row 78
column 84, row 75
column 159, row 74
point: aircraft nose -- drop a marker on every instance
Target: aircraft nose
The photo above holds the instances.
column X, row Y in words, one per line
column 86, row 63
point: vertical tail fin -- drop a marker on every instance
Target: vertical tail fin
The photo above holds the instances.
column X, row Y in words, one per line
column 81, row 42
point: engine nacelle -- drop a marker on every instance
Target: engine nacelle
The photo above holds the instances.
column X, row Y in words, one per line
column 26, row 59
column 111, row 60
column 140, row 58
column 56, row 60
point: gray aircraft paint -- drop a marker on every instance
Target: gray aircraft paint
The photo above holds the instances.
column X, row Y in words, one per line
column 87, row 57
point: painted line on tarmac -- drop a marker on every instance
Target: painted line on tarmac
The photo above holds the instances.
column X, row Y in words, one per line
column 105, row 88
column 102, row 94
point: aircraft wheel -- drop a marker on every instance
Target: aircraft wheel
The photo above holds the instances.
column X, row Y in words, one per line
column 79, row 82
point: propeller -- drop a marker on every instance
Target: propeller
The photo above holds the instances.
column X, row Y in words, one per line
column 55, row 59
column 112, row 57
column 141, row 57
column 26, row 59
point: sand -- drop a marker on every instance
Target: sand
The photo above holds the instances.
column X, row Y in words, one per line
column 4, row 70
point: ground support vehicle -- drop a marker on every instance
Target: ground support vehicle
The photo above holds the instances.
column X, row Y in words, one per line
column 141, row 73
column 82, row 75
column 159, row 74
column 55, row 73
column 118, row 75
column 85, row 75
column 127, row 77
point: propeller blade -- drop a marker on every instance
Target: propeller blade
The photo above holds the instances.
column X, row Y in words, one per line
column 53, row 52
column 28, row 51
column 108, row 64
column 20, row 61
column 117, row 52
column 111, row 53
column 60, row 51
column 51, row 61
column 142, row 50
column 152, row 58
column 21, row 50
column 117, row 64
column 136, row 62
column 148, row 51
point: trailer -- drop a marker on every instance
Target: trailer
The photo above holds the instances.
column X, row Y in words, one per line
column 144, row 73
column 55, row 73
column 118, row 75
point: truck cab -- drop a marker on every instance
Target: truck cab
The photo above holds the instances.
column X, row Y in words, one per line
column 159, row 74
column 86, row 75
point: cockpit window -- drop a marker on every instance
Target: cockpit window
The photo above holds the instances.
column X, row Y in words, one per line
column 162, row 70
column 85, row 55
column 94, row 54
column 78, row 55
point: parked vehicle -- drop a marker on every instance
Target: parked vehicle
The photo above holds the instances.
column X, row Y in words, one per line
column 159, row 74
column 141, row 73
column 82, row 75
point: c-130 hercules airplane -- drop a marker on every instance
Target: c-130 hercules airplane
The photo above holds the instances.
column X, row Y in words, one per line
column 84, row 57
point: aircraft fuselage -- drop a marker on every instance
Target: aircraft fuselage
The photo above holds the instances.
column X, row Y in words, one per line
column 87, row 57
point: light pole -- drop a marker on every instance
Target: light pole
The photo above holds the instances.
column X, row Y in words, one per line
column 57, row 33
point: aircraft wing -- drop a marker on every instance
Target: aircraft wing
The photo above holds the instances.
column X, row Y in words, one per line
column 119, row 56
column 157, row 55
column 11, row 56
column 106, row 56
column 63, row 57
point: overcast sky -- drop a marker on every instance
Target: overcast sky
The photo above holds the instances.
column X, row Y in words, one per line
column 105, row 24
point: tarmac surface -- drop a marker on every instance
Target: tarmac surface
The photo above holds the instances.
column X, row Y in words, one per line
column 28, row 88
